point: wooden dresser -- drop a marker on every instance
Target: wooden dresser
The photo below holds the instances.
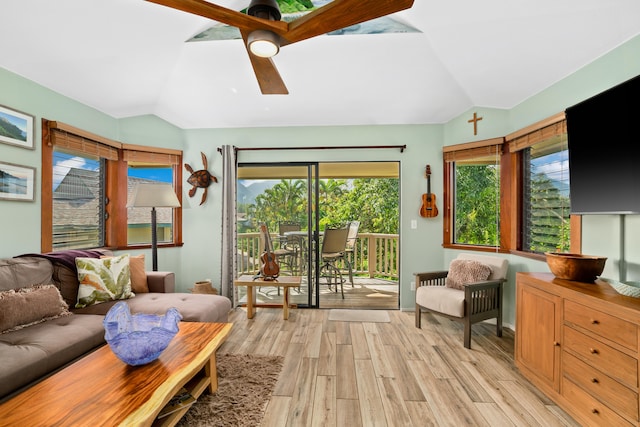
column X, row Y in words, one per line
column 578, row 343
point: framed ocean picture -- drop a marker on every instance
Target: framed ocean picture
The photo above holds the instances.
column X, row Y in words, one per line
column 17, row 182
column 16, row 128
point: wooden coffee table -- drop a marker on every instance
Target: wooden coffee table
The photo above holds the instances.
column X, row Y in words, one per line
column 101, row 390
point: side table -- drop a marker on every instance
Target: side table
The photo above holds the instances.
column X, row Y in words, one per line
column 284, row 282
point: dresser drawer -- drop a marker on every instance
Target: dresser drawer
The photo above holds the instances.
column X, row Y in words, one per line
column 625, row 333
column 590, row 410
column 620, row 398
column 607, row 359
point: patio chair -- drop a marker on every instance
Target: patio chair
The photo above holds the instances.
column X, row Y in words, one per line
column 468, row 292
column 334, row 243
column 288, row 246
column 352, row 236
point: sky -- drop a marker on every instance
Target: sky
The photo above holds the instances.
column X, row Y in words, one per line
column 62, row 163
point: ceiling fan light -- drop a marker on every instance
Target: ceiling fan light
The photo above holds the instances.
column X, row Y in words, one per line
column 263, row 43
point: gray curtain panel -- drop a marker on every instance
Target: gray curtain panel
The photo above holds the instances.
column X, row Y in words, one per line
column 229, row 226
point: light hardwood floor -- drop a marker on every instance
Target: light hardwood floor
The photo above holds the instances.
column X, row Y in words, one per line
column 390, row 374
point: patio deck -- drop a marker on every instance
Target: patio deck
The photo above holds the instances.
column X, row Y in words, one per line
column 366, row 293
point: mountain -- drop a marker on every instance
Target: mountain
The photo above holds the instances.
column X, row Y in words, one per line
column 9, row 129
column 248, row 190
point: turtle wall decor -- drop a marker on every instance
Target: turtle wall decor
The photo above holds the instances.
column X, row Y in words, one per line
column 200, row 178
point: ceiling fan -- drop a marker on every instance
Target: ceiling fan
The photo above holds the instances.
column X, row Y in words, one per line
column 264, row 33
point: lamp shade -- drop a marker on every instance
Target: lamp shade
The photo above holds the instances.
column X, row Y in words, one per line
column 154, row 196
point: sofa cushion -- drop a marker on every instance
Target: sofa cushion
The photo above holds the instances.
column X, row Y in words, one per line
column 67, row 281
column 34, row 352
column 28, row 306
column 138, row 273
column 192, row 307
column 103, row 279
column 441, row 299
column 24, row 272
column 464, row 271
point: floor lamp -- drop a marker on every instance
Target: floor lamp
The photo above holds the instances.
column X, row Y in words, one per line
column 154, row 196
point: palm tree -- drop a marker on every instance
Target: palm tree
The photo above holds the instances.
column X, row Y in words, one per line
column 285, row 200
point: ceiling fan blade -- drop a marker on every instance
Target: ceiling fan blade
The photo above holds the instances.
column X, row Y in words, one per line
column 340, row 14
column 266, row 72
column 223, row 14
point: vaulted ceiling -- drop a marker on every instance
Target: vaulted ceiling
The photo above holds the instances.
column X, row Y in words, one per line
column 132, row 57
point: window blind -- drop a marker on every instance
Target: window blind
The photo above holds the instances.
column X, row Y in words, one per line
column 473, row 150
column 76, row 144
column 548, row 129
column 138, row 156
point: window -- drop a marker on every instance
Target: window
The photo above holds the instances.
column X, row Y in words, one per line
column 512, row 193
column 78, row 200
column 544, row 158
column 145, row 166
column 473, row 172
column 86, row 180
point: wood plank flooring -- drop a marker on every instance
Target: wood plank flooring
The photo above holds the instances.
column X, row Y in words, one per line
column 390, row 374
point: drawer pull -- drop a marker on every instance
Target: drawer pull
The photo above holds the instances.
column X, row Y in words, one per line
column 594, row 380
column 595, row 411
column 594, row 351
column 556, row 344
column 595, row 322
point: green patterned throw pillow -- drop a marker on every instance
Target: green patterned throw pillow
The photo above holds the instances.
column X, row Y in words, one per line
column 103, row 279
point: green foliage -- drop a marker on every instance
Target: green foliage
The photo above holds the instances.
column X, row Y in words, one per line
column 476, row 205
column 548, row 228
column 374, row 202
column 477, row 211
column 293, row 6
column 331, row 195
column 284, row 201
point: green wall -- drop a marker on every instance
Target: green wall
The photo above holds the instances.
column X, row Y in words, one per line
column 421, row 248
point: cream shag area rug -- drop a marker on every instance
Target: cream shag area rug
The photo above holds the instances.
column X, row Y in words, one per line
column 245, row 384
column 344, row 315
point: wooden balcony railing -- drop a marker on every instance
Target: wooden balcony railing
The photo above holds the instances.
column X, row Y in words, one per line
column 375, row 254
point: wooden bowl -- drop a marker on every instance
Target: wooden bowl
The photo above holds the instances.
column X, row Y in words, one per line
column 581, row 268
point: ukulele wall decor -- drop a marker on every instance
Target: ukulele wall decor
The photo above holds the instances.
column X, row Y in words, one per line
column 428, row 208
column 269, row 268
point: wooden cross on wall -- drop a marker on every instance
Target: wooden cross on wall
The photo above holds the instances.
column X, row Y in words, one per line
column 475, row 121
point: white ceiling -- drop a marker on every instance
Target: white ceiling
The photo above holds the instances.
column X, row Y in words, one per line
column 130, row 57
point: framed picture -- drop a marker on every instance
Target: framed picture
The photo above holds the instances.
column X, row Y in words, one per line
column 16, row 128
column 17, row 182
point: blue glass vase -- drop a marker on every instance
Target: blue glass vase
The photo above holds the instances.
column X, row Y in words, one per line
column 138, row 339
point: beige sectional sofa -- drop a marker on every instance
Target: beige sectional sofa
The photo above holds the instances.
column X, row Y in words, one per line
column 48, row 340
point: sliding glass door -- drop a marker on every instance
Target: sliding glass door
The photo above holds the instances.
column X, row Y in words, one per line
column 298, row 202
column 284, row 197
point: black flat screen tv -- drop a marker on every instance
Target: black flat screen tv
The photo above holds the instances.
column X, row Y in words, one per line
column 603, row 138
